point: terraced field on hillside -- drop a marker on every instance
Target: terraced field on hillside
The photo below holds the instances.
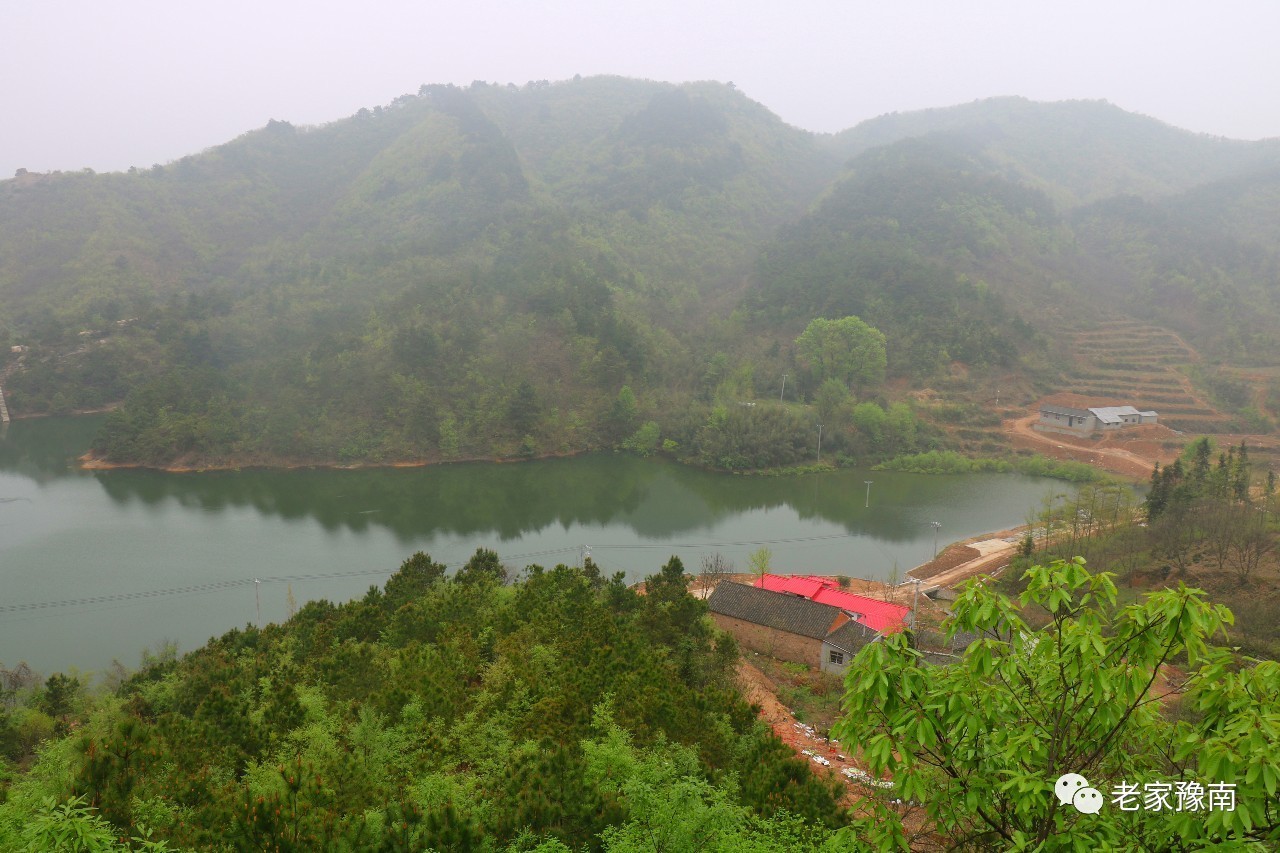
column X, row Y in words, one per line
column 1125, row 362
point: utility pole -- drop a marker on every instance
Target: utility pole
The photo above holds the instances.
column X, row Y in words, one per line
column 819, row 442
column 784, row 388
column 936, row 525
column 868, row 482
column 257, row 599
column 915, row 602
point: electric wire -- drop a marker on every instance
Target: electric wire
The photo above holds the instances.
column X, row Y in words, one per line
column 225, row 585
column 124, row 598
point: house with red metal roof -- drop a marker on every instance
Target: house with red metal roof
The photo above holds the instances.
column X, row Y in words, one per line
column 791, row 627
column 881, row 616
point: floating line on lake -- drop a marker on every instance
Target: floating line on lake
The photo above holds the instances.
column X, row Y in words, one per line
column 225, row 585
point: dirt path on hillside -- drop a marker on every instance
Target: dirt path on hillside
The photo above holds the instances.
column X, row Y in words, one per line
column 1057, row 446
column 836, row 764
column 807, row 743
column 994, row 554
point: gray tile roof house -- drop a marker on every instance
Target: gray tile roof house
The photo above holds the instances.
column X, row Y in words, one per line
column 775, row 610
column 789, row 627
column 839, row 647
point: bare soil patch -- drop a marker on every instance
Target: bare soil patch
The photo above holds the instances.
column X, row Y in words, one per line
column 950, row 557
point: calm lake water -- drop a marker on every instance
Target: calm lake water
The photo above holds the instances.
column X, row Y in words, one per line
column 101, row 565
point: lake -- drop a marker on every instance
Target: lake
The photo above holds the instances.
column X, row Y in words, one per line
column 100, row 565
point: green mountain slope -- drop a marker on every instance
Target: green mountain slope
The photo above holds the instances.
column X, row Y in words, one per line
column 502, row 271
column 373, row 288
column 1077, row 151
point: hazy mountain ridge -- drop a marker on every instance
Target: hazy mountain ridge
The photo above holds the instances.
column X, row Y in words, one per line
column 472, row 271
column 1078, row 151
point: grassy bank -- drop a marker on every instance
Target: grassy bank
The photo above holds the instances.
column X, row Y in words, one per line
column 951, row 462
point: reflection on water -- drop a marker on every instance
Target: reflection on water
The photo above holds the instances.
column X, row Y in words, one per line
column 67, row 534
column 45, row 448
column 655, row 499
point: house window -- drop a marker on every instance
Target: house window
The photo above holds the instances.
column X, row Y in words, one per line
column 836, row 657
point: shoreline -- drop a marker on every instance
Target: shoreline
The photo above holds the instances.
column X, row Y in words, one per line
column 89, row 462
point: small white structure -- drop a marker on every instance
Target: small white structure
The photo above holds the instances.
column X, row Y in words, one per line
column 1116, row 417
column 1088, row 421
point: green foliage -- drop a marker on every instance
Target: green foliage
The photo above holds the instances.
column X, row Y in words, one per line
column 462, row 271
column 623, row 412
column 751, row 437
column 445, row 713
column 833, row 402
column 673, row 807
column 1024, row 706
column 759, row 561
column 72, row 827
column 847, row 350
column 644, row 440
column 1192, row 479
column 951, row 462
column 366, row 295
column 450, row 441
column 523, row 410
column 483, row 566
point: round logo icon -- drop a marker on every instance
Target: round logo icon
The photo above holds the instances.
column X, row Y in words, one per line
column 1088, row 800
column 1067, row 786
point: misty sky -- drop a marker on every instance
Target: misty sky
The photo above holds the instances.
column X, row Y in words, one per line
column 85, row 83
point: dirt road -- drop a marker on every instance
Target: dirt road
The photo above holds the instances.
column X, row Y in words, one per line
column 993, row 553
column 808, row 744
column 1056, row 446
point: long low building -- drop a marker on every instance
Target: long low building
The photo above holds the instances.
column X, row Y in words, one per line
column 882, row 616
column 1088, row 421
column 789, row 627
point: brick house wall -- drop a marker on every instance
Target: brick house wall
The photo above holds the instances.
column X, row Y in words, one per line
column 770, row 641
column 840, row 655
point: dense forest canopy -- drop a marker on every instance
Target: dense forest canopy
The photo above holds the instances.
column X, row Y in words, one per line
column 503, row 271
column 436, row 713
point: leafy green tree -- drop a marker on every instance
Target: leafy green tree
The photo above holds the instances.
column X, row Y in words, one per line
column 872, row 424
column 673, row 807
column 644, row 440
column 981, row 742
column 59, row 695
column 483, row 565
column 760, row 561
column 623, row 412
column 414, row 577
column 524, row 409
column 763, row 436
column 833, row 402
column 10, row 737
column 901, row 428
column 450, row 441
column 846, row 349
column 73, row 826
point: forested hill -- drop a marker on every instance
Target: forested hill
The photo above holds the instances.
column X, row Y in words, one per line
column 500, row 271
column 1077, row 151
column 564, row 712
